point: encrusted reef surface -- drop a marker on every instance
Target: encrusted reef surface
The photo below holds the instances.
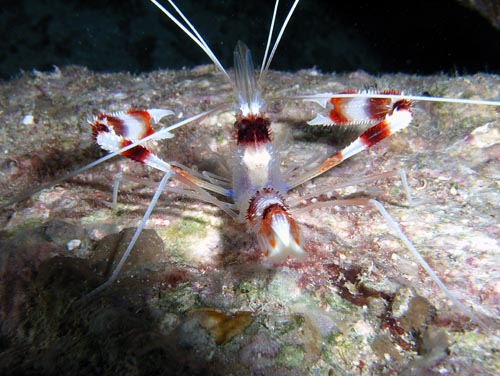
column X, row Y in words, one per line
column 196, row 296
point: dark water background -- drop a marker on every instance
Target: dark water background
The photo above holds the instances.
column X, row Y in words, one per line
column 132, row 35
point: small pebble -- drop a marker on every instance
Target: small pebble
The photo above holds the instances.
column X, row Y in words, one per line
column 72, row 244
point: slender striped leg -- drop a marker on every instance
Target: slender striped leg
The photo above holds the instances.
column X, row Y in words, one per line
column 399, row 233
column 396, row 115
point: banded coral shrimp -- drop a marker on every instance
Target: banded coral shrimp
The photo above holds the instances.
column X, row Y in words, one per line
column 287, row 286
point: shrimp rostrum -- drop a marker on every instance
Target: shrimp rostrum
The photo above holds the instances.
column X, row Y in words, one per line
column 268, row 200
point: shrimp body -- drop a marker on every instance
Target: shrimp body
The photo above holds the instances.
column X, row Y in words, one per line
column 258, row 185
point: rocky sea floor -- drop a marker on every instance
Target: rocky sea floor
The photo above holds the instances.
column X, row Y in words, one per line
column 196, row 295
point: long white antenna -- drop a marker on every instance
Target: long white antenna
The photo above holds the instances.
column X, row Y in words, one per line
column 186, row 20
column 269, row 37
column 193, row 34
column 278, row 38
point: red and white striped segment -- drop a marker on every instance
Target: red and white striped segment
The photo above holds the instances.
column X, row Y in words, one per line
column 398, row 118
column 277, row 232
column 360, row 108
column 351, row 104
column 132, row 124
column 115, row 131
column 256, row 164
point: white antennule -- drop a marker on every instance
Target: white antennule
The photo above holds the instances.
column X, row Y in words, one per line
column 192, row 33
column 245, row 84
column 266, row 64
